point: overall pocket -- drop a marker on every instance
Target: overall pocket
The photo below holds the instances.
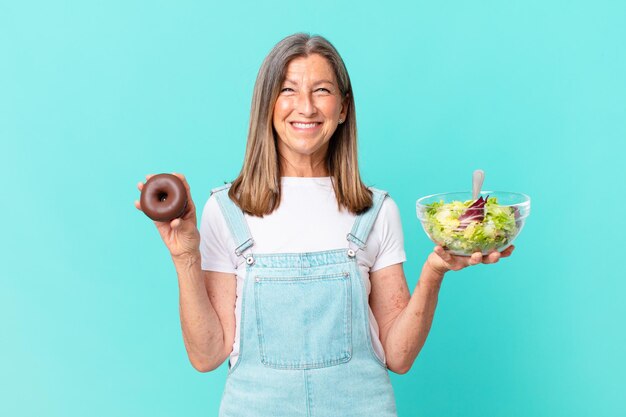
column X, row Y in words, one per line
column 304, row 321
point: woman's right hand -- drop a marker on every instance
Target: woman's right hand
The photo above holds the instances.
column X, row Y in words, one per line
column 181, row 235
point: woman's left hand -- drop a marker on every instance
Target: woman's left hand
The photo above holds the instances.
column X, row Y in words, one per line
column 442, row 261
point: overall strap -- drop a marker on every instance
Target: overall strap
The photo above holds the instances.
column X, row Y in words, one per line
column 234, row 218
column 364, row 221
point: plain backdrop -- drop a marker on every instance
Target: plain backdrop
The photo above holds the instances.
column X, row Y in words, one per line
column 95, row 95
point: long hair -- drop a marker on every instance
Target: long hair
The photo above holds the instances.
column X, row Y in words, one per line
column 257, row 188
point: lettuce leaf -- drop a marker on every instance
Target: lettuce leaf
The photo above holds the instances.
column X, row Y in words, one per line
column 471, row 226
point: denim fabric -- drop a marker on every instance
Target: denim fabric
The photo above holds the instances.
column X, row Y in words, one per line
column 305, row 347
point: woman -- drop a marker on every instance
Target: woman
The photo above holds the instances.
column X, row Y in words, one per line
column 311, row 318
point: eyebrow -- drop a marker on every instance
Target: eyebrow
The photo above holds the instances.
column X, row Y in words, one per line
column 315, row 83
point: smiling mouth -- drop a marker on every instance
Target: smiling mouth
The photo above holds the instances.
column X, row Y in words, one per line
column 305, row 126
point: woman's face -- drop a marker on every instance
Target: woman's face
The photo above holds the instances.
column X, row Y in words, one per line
column 308, row 109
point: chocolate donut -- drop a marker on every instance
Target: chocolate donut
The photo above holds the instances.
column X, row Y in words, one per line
column 163, row 197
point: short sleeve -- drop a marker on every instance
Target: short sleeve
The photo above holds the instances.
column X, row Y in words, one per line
column 388, row 226
column 215, row 240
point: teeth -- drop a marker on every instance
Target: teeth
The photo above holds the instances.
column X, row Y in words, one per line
column 305, row 125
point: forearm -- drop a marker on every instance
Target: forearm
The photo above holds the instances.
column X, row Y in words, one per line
column 202, row 331
column 409, row 331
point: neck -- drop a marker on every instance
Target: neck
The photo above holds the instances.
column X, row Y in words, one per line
column 303, row 169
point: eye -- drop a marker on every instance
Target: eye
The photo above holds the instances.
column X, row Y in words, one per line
column 286, row 90
column 326, row 90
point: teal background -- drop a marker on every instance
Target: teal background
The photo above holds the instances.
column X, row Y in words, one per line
column 95, row 95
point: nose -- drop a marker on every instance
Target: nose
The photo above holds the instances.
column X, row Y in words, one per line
column 305, row 105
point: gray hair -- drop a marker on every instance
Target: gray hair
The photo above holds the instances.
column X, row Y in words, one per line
column 257, row 188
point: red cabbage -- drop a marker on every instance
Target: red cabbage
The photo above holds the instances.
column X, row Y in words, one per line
column 474, row 213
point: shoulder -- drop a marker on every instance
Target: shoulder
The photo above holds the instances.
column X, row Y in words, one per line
column 389, row 211
column 388, row 205
column 218, row 193
column 388, row 222
column 221, row 188
column 386, row 243
column 212, row 210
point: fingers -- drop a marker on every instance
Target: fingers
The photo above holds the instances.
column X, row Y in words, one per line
column 478, row 257
column 508, row 251
column 491, row 258
column 140, row 187
column 140, row 184
column 442, row 253
column 183, row 179
column 475, row 258
column 495, row 256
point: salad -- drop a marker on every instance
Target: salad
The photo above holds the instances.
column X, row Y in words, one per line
column 471, row 226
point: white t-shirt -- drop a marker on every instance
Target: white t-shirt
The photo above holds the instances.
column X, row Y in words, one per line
column 308, row 209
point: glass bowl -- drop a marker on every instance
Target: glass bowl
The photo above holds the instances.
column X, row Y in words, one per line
column 492, row 227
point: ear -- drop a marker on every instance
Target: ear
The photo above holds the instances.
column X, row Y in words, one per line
column 345, row 103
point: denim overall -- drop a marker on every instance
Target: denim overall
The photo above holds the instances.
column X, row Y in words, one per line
column 305, row 347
